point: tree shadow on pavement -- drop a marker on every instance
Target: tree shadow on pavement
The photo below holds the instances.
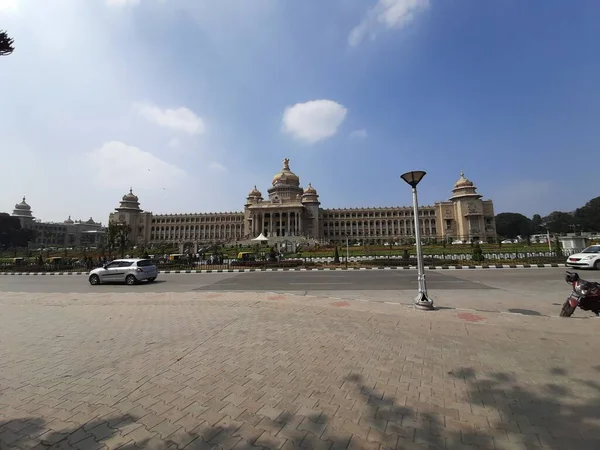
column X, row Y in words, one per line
column 468, row 410
column 496, row 412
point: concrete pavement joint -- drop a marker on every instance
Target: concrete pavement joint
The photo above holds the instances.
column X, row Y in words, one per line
column 326, row 269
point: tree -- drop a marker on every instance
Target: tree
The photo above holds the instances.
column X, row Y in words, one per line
column 6, row 44
column 118, row 236
column 588, row 216
column 336, row 255
column 511, row 225
column 537, row 224
column 11, row 233
column 559, row 222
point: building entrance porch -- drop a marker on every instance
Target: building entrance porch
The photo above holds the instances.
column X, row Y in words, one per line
column 277, row 223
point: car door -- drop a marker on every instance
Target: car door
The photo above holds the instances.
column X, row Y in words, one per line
column 122, row 270
column 107, row 274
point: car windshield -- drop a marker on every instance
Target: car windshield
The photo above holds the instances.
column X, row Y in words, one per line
column 144, row 263
column 592, row 249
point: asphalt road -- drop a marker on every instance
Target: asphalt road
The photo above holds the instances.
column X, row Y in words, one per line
column 526, row 291
column 253, row 281
column 375, row 280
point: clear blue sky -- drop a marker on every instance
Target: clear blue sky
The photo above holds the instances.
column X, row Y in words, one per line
column 506, row 90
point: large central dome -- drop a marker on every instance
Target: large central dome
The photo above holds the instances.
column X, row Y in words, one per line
column 286, row 176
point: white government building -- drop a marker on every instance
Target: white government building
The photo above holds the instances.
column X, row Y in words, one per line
column 70, row 233
column 292, row 213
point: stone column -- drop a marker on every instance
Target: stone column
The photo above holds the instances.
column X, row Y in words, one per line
column 261, row 223
column 271, row 224
column 287, row 223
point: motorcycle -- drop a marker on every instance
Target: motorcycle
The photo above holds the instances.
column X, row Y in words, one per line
column 585, row 295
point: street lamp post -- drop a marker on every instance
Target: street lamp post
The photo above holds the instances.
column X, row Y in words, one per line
column 347, row 252
column 422, row 301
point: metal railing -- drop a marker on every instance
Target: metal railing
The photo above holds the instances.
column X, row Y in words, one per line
column 375, row 261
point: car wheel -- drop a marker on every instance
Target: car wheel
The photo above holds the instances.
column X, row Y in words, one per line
column 94, row 280
column 597, row 264
column 151, row 280
column 130, row 280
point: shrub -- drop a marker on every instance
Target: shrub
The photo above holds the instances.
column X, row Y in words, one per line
column 477, row 254
column 405, row 255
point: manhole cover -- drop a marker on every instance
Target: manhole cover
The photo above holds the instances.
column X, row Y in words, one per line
column 525, row 312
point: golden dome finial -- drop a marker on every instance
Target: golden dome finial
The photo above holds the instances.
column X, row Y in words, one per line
column 286, row 164
column 462, row 173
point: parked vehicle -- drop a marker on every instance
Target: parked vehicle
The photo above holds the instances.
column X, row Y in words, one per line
column 130, row 271
column 586, row 259
column 246, row 256
column 585, row 295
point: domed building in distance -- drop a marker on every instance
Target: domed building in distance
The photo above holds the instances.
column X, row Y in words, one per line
column 70, row 233
column 290, row 212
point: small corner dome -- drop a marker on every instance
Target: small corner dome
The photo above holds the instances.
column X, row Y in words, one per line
column 310, row 190
column 23, row 205
column 90, row 221
column 255, row 192
column 130, row 197
column 69, row 221
column 463, row 181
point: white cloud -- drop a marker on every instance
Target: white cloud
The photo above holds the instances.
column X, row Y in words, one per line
column 122, row 2
column 174, row 143
column 356, row 134
column 217, row 167
column 314, row 120
column 9, row 6
column 387, row 14
column 118, row 163
column 180, row 119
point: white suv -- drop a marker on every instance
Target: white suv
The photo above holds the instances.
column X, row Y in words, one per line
column 130, row 271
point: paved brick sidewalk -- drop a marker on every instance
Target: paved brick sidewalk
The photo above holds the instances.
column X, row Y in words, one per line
column 238, row 370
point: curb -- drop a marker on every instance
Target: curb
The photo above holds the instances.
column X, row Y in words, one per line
column 322, row 269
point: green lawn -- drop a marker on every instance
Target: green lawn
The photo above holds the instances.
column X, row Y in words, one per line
column 7, row 256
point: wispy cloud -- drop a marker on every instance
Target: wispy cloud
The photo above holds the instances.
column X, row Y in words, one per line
column 358, row 134
column 385, row 15
column 178, row 119
column 217, row 167
column 122, row 2
column 117, row 162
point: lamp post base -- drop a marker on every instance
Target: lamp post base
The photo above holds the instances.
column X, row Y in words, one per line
column 422, row 301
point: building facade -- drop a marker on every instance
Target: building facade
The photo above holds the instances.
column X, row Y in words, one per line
column 70, row 233
column 292, row 213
